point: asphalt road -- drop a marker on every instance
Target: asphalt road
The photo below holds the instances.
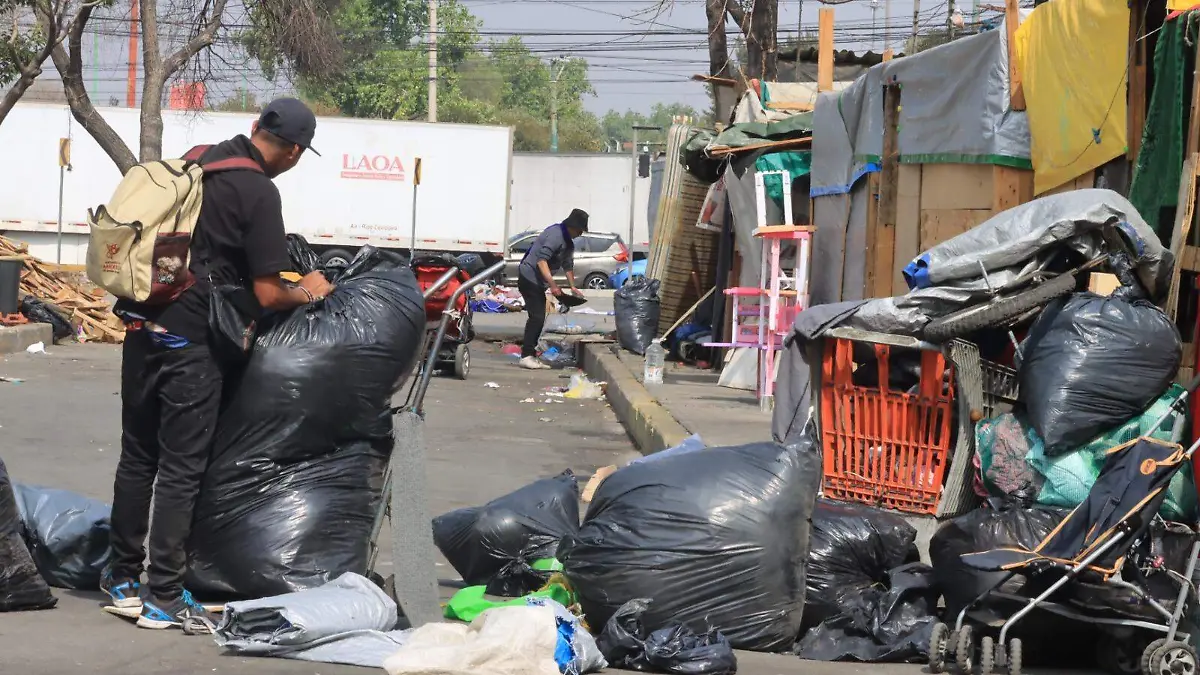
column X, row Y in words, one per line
column 60, row 428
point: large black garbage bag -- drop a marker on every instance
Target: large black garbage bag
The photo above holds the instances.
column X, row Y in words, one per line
column 304, row 259
column 890, row 622
column 715, row 538
column 627, row 643
column 38, row 311
column 1090, row 363
column 636, row 307
column 296, row 475
column 496, row 544
column 67, row 534
column 852, row 549
column 21, row 587
column 980, row 530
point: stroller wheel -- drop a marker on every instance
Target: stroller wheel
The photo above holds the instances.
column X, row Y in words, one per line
column 938, row 642
column 462, row 362
column 1169, row 658
column 1013, row 656
column 987, row 655
column 964, row 653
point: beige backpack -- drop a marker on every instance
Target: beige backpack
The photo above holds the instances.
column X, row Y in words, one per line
column 140, row 239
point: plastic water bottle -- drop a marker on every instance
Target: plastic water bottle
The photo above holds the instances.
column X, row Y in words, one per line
column 656, row 361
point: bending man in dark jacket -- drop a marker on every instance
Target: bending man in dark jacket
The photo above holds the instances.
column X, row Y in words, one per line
column 553, row 250
column 171, row 379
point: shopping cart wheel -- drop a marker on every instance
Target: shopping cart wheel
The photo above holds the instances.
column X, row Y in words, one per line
column 1169, row 658
column 462, row 362
column 939, row 640
column 1013, row 657
column 964, row 653
column 987, row 655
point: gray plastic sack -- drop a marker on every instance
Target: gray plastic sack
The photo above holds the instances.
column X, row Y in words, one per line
column 67, row 534
column 636, row 307
column 1090, row 363
column 347, row 620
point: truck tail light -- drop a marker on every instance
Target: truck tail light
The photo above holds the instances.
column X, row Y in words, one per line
column 622, row 255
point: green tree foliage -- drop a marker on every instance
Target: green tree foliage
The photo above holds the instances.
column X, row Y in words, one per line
column 618, row 127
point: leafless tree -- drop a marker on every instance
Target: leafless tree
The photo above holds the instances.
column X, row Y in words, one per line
column 299, row 26
column 38, row 27
column 758, row 21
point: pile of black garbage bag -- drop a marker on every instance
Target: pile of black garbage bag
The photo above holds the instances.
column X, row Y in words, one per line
column 21, row 586
column 636, row 308
column 500, row 543
column 290, row 494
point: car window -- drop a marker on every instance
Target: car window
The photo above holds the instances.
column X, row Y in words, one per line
column 583, row 244
column 596, row 244
column 522, row 245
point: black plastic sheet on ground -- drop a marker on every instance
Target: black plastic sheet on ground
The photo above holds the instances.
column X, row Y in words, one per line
column 21, row 587
column 627, row 643
column 39, row 311
column 496, row 544
column 715, row 538
column 887, row 623
column 296, row 474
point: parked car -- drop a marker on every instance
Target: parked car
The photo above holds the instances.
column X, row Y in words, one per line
column 624, row 273
column 597, row 256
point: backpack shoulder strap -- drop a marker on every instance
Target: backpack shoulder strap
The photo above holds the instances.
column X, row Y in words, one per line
column 230, row 164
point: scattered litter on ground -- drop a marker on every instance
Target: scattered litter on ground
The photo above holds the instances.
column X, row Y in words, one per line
column 593, row 310
column 528, row 400
column 36, row 348
column 491, row 385
column 584, row 388
column 518, row 640
column 11, row 380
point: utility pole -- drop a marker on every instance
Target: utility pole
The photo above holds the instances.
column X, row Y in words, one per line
column 799, row 31
column 912, row 47
column 433, row 74
column 131, row 86
column 633, row 182
column 950, row 19
column 555, row 73
column 887, row 24
column 874, row 26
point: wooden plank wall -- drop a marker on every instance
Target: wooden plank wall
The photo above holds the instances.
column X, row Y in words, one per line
column 691, row 260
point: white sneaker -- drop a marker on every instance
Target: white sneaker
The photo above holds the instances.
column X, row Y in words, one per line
column 532, row 363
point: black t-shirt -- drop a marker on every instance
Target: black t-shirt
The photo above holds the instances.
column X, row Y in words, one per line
column 239, row 235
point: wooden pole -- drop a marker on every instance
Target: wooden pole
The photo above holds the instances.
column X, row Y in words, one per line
column 131, row 87
column 1012, row 18
column 825, row 49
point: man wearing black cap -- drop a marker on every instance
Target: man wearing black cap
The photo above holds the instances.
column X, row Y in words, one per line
column 553, row 250
column 170, row 378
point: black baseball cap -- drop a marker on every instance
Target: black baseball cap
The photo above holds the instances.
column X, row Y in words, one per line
column 291, row 120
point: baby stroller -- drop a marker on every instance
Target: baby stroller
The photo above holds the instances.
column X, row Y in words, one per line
column 454, row 357
column 1099, row 566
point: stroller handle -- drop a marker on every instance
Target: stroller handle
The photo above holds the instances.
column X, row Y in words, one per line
column 427, row 371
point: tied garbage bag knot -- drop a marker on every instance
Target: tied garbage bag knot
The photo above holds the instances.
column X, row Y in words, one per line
column 627, row 642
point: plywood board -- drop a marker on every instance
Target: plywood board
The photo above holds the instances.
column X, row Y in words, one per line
column 956, row 186
column 941, row 224
column 1102, row 283
column 1010, row 187
column 1083, row 182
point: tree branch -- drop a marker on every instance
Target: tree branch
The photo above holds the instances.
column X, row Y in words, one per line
column 202, row 39
column 69, row 63
column 51, row 19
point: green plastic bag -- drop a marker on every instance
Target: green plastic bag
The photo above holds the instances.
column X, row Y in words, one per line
column 470, row 602
column 1069, row 477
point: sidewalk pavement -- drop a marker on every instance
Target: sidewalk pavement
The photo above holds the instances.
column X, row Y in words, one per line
column 688, row 402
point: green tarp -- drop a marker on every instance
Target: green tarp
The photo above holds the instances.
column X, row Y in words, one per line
column 795, row 163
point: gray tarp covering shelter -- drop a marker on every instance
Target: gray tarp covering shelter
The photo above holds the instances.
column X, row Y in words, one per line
column 348, row 620
column 1008, row 244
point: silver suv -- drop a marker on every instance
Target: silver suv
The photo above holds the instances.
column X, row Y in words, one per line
column 597, row 256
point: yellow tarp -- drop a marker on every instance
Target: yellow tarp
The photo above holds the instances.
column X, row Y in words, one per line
column 1177, row 5
column 1072, row 59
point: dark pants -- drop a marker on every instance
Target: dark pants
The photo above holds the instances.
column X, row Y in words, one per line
column 535, row 311
column 169, row 405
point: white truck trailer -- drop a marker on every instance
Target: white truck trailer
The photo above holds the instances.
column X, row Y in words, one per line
column 546, row 187
column 359, row 191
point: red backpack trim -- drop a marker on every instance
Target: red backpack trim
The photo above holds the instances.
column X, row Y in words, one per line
column 230, row 164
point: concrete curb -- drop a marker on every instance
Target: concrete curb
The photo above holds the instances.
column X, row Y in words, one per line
column 648, row 423
column 15, row 339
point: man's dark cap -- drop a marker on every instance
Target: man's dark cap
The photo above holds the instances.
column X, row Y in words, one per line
column 291, row 120
column 578, row 220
